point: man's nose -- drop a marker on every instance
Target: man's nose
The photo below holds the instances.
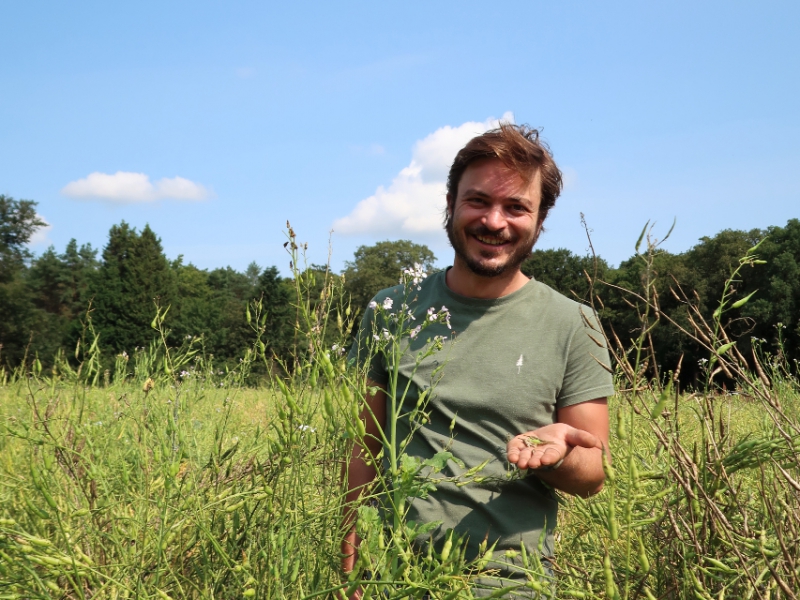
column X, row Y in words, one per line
column 494, row 219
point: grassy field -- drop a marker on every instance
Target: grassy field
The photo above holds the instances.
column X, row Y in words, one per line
column 202, row 489
column 162, row 477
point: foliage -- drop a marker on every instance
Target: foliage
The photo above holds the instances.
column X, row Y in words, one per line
column 45, row 299
column 171, row 478
column 133, row 275
column 376, row 267
column 566, row 272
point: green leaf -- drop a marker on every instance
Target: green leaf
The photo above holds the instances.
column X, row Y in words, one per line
column 439, row 460
column 669, row 233
column 641, row 236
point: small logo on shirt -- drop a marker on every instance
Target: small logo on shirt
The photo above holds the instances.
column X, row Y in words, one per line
column 519, row 364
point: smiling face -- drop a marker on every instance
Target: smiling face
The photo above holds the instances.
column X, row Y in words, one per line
column 494, row 219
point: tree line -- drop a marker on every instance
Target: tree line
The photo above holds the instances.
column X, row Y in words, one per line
column 48, row 301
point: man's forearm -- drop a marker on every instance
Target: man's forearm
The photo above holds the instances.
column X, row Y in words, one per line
column 580, row 474
column 359, row 475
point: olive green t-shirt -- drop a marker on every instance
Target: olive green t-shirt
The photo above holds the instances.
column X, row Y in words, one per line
column 507, row 365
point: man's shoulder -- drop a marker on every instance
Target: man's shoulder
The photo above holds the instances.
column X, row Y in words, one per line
column 558, row 301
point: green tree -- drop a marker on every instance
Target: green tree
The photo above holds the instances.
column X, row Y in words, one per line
column 18, row 222
column 133, row 276
column 376, row 267
column 564, row 271
column 277, row 299
column 230, row 291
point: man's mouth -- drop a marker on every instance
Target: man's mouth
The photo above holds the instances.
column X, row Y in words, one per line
column 492, row 241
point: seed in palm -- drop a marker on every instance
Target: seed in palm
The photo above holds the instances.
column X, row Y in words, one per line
column 531, row 441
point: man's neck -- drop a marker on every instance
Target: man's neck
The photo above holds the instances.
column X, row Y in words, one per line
column 464, row 282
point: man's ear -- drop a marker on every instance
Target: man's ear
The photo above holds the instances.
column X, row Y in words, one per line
column 449, row 208
column 539, row 230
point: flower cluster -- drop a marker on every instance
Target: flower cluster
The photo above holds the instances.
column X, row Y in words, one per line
column 413, row 275
column 442, row 315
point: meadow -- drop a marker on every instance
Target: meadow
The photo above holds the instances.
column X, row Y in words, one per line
column 163, row 476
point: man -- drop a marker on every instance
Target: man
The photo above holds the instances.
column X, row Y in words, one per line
column 526, row 374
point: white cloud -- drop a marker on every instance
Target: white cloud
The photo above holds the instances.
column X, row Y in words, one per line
column 39, row 237
column 128, row 188
column 413, row 202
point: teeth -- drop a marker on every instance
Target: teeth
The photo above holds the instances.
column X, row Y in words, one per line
column 492, row 241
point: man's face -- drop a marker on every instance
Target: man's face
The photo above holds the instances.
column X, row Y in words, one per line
column 495, row 218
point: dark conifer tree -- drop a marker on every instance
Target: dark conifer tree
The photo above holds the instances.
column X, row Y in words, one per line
column 134, row 276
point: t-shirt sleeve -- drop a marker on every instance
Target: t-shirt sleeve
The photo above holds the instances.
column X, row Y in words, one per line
column 587, row 375
column 362, row 353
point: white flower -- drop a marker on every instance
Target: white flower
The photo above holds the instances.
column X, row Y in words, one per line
column 306, row 428
column 446, row 312
column 432, row 316
column 415, row 332
column 386, row 334
column 373, row 305
column 415, row 275
column 387, row 303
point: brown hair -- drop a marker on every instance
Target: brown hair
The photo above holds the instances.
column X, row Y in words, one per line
column 521, row 150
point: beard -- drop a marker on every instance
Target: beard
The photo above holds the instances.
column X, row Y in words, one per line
column 522, row 251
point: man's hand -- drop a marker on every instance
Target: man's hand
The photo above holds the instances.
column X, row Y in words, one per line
column 567, row 454
column 547, row 447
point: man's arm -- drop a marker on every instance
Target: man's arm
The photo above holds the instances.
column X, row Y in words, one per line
column 361, row 471
column 577, row 438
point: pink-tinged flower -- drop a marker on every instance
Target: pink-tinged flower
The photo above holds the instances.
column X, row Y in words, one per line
column 415, row 332
column 373, row 305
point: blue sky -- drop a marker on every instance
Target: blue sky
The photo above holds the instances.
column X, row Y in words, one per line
column 217, row 122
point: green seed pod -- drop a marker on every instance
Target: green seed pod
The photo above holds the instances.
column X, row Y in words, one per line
column 608, row 469
column 39, row 542
column 448, row 546
column 328, row 404
column 634, row 471
column 611, row 588
column 613, row 526
column 35, row 509
column 249, row 593
column 534, row 585
column 644, row 563
column 622, row 427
